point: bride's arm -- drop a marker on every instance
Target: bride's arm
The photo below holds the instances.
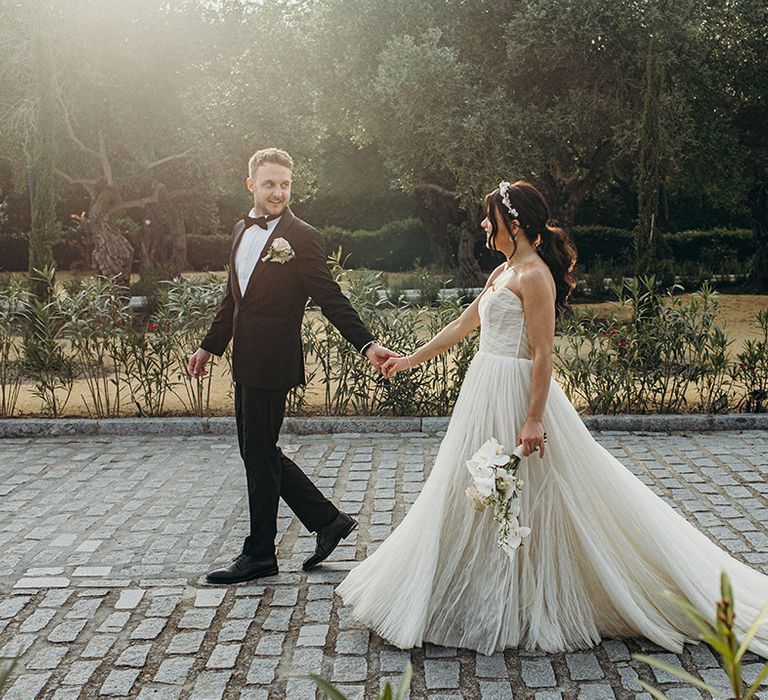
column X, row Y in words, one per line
column 446, row 338
column 539, row 303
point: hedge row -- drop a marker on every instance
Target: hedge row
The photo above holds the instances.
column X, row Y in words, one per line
column 401, row 244
column 713, row 246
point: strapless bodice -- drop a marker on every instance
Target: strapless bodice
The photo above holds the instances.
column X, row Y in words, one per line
column 502, row 324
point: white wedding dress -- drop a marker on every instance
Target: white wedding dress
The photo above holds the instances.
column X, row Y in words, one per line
column 603, row 546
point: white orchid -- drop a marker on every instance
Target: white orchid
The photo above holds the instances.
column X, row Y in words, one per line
column 495, row 483
column 475, row 498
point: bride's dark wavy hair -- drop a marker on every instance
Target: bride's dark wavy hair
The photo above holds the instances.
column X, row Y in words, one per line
column 549, row 240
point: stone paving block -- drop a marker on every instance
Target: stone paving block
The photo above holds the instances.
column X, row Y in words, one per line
column 491, row 666
column 84, row 609
column 135, row 655
column 262, row 671
column 174, row 671
column 98, row 646
column 210, row 685
column 629, row 678
column 584, row 666
column 350, row 669
column 129, row 599
column 48, row 658
column 149, row 692
column 307, row 660
column 538, row 673
column 12, row 606
column 234, row 630
column 495, row 690
column 270, row 645
column 441, row 673
column 26, row 686
column 223, row 656
column 185, row 643
column 352, row 641
column 67, row 631
column 119, row 683
column 683, row 694
column 149, row 628
column 38, row 620
column 210, row 597
column 596, row 691
column 80, row 672
column 245, row 607
column 300, row 689
column 197, row 618
column 115, row 622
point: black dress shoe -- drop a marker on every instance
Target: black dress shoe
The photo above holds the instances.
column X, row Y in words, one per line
column 243, row 568
column 328, row 539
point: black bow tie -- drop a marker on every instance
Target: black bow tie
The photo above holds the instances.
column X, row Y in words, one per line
column 260, row 221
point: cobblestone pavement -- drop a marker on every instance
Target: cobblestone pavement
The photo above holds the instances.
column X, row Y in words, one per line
column 104, row 541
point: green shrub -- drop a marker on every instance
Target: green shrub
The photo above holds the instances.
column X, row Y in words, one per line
column 719, row 251
column 648, row 363
column 15, row 252
column 394, row 247
column 602, row 243
column 209, row 252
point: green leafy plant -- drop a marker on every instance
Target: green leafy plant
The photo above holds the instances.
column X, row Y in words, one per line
column 186, row 310
column 14, row 304
column 96, row 317
column 5, row 674
column 752, row 369
column 333, row 693
column 721, row 637
column 45, row 358
column 651, row 361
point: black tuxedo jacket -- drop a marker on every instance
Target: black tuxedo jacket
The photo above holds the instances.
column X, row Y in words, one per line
column 264, row 324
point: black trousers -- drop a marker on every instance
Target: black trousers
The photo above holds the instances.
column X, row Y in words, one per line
column 270, row 474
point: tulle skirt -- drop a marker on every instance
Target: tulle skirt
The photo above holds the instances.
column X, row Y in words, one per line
column 602, row 549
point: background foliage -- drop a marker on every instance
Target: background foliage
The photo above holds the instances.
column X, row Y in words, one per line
column 392, row 110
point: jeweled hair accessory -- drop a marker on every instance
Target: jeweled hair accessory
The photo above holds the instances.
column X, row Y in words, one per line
column 504, row 187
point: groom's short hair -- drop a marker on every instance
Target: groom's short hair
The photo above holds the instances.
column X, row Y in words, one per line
column 268, row 155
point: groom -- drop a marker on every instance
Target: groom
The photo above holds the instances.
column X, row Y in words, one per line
column 277, row 262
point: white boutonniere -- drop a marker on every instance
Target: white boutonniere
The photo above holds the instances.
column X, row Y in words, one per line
column 280, row 251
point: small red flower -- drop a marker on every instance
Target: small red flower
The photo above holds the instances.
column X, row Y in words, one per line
column 152, row 327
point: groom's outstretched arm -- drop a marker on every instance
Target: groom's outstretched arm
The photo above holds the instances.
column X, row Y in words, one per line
column 220, row 332
column 324, row 290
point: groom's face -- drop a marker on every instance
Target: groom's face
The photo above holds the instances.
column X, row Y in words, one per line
column 271, row 188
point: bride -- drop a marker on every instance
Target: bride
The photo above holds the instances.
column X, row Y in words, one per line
column 602, row 546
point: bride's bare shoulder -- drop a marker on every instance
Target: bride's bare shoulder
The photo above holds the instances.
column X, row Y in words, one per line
column 536, row 279
column 492, row 277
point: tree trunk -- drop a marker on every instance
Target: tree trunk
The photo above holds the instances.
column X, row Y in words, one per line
column 178, row 242
column 469, row 268
column 437, row 210
column 151, row 253
column 42, row 188
column 758, row 210
column 649, row 242
column 112, row 253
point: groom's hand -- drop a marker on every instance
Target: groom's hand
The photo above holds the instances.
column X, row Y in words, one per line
column 377, row 355
column 197, row 362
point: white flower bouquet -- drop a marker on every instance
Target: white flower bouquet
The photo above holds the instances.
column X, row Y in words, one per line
column 495, row 484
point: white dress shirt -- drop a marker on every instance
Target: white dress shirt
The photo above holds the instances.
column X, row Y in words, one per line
column 249, row 251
